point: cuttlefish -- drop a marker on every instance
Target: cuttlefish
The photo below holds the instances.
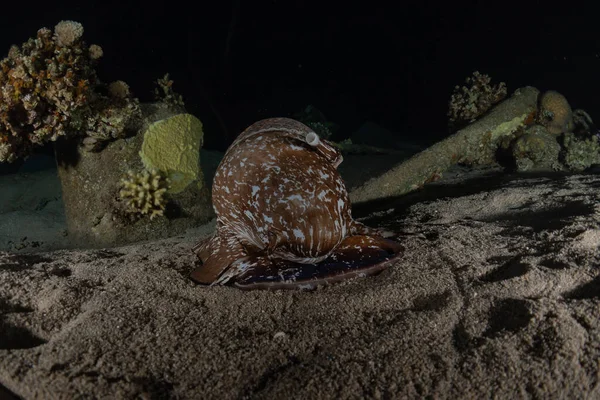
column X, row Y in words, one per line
column 284, row 215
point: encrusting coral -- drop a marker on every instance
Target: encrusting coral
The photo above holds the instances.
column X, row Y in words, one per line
column 580, row 153
column 48, row 89
column 171, row 145
column 144, row 192
column 472, row 100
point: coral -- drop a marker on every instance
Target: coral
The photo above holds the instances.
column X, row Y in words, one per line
column 119, row 90
column 536, row 149
column 581, row 153
column 583, row 124
column 144, row 192
column 68, row 32
column 48, row 89
column 555, row 113
column 469, row 102
column 112, row 118
column 173, row 145
column 96, row 52
column 164, row 92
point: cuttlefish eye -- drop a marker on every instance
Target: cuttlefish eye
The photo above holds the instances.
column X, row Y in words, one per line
column 313, row 139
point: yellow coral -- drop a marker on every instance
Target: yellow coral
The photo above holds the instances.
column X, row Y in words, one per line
column 555, row 113
column 144, row 192
column 173, row 145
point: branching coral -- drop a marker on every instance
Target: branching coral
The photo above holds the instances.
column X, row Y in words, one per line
column 68, row 32
column 164, row 92
column 469, row 102
column 48, row 90
column 144, row 192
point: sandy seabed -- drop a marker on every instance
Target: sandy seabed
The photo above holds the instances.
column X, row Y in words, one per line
column 497, row 295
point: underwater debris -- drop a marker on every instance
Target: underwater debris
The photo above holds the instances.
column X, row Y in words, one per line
column 476, row 144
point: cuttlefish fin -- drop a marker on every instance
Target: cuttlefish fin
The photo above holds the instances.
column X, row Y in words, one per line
column 363, row 249
column 217, row 255
column 249, row 265
column 356, row 256
column 204, row 248
column 358, row 228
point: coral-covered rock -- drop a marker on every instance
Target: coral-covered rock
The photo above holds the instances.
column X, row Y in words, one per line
column 580, row 153
column 555, row 113
column 99, row 213
column 49, row 90
column 536, row 150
